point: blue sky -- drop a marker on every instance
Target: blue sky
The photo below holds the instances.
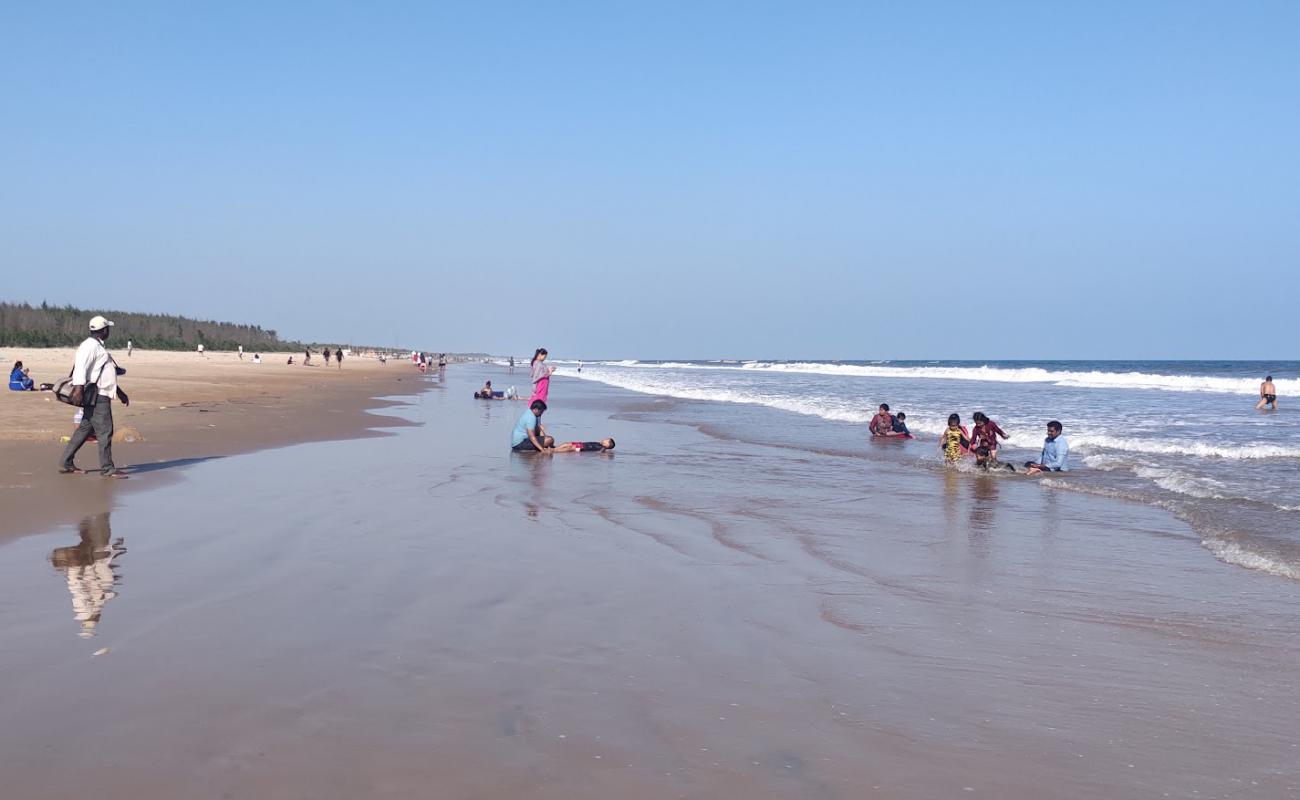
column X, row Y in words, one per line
column 747, row 179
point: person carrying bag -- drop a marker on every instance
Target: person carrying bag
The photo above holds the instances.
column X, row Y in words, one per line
column 94, row 398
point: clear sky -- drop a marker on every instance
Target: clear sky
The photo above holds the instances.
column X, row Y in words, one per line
column 697, row 179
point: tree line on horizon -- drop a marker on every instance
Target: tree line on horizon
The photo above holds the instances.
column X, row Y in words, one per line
column 25, row 325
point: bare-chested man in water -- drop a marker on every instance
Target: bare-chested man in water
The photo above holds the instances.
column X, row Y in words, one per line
column 1267, row 394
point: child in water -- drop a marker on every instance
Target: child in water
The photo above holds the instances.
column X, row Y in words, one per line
column 955, row 440
column 586, row 447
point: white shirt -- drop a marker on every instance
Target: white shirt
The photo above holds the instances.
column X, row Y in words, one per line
column 93, row 358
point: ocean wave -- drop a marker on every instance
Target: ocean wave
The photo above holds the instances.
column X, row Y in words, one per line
column 1248, row 451
column 1231, row 552
column 1087, row 380
column 838, row 409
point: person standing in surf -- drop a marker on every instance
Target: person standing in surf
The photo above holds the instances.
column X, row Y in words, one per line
column 985, row 434
column 1267, row 394
column 955, row 440
column 541, row 376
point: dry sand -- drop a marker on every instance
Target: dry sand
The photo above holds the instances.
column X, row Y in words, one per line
column 184, row 407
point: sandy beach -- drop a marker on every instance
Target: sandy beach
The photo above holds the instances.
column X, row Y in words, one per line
column 184, row 408
column 428, row 615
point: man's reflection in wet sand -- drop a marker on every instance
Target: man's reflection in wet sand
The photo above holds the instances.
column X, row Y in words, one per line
column 91, row 570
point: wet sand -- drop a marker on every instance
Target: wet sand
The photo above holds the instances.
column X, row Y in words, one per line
column 428, row 615
column 185, row 408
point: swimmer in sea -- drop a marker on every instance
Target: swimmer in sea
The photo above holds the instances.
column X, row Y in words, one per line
column 1267, row 394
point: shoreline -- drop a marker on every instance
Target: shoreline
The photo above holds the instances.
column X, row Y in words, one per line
column 184, row 409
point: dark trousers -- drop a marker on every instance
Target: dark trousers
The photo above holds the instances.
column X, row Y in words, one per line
column 100, row 420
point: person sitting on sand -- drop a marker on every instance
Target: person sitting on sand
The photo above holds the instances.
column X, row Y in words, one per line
column 529, row 436
column 955, row 440
column 985, row 434
column 1056, row 452
column 257, row 358
column 883, row 422
column 1267, row 394
column 586, row 447
column 20, row 379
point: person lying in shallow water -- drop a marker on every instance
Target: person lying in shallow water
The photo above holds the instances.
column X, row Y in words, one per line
column 586, row 447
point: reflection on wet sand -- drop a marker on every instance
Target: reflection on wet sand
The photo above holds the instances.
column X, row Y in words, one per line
column 90, row 567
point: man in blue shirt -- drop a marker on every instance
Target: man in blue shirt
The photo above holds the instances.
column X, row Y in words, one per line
column 1056, row 452
column 529, row 436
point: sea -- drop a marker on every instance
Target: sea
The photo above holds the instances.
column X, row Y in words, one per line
column 1180, row 435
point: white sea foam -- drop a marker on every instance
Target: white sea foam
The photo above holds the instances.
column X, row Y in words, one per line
column 1090, row 380
column 838, row 409
column 1183, row 447
column 1233, row 553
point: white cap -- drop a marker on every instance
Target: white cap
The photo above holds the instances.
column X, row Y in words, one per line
column 99, row 324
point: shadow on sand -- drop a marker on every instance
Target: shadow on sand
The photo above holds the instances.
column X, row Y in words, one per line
column 138, row 469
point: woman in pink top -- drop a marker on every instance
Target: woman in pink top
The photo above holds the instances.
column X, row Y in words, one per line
column 541, row 376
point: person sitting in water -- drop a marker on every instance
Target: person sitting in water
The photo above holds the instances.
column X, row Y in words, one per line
column 883, row 422
column 986, row 433
column 899, row 427
column 955, row 440
column 987, row 459
column 1267, row 394
column 1056, row 452
column 20, row 379
column 529, row 436
column 586, row 447
column 488, row 393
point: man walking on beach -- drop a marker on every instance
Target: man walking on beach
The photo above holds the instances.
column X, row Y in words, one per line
column 1267, row 394
column 94, row 365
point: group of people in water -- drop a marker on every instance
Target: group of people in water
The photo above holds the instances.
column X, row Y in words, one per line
column 957, row 442
column 529, row 435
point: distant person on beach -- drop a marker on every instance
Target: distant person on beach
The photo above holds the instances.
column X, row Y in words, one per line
column 586, row 447
column 291, row 361
column 326, row 355
column 579, row 366
column 201, row 350
column 512, row 363
column 20, row 379
column 541, row 376
column 93, row 365
column 529, row 435
column 442, row 361
column 241, row 352
column 306, row 358
column 985, row 434
column 883, row 422
column 129, row 348
column 955, row 440
column 1267, row 394
column 1056, row 452
column 257, row 358
column 338, row 357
